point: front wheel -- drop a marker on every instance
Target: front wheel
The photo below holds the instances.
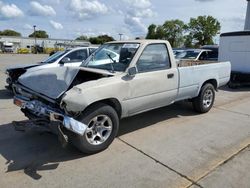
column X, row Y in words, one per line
column 103, row 124
column 205, row 100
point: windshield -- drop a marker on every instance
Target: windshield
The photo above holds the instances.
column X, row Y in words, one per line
column 112, row 57
column 55, row 56
column 187, row 55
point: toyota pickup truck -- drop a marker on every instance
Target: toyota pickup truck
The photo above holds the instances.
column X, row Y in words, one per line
column 119, row 80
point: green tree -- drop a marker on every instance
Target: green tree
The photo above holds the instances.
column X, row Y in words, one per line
column 151, row 32
column 39, row 34
column 202, row 30
column 9, row 32
column 100, row 39
column 82, row 37
column 188, row 41
column 160, row 33
column 173, row 32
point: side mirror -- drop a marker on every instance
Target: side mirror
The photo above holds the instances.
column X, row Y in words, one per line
column 132, row 71
column 64, row 60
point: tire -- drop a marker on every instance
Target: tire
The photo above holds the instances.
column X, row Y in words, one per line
column 98, row 136
column 205, row 100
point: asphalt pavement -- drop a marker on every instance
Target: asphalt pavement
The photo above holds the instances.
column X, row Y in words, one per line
column 168, row 147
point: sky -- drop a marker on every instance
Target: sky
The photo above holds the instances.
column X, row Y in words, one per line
column 68, row 19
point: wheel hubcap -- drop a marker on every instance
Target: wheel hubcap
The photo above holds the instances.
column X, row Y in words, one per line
column 208, row 98
column 99, row 129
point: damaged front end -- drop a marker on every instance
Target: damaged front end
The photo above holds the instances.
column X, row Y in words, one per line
column 42, row 115
column 39, row 95
column 46, row 117
column 40, row 110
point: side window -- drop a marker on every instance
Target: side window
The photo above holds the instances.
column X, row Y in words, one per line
column 203, row 56
column 154, row 57
column 212, row 56
column 77, row 56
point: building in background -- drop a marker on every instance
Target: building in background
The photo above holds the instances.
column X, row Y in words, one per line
column 28, row 43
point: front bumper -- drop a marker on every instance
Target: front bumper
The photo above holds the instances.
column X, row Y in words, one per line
column 41, row 110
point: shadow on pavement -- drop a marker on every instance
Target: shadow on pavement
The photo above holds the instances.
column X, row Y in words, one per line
column 238, row 89
column 155, row 116
column 35, row 151
column 5, row 94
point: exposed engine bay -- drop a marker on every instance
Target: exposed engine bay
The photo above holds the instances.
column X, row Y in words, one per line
column 39, row 94
column 49, row 86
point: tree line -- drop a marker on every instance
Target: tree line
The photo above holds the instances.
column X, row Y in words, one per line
column 37, row 34
column 101, row 39
column 43, row 34
column 198, row 32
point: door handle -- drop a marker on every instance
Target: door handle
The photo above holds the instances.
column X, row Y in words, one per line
column 170, row 75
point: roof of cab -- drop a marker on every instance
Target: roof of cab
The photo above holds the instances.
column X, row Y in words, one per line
column 141, row 41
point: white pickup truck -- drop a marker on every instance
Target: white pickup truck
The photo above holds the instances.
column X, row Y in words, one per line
column 86, row 103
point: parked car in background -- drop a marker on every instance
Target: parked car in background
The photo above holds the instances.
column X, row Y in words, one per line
column 198, row 55
column 214, row 48
column 177, row 51
column 86, row 103
column 8, row 47
column 71, row 57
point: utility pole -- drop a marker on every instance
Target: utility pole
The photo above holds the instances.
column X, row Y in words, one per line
column 120, row 34
column 247, row 21
column 34, row 26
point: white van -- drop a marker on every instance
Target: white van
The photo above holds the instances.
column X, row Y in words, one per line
column 235, row 47
column 8, row 47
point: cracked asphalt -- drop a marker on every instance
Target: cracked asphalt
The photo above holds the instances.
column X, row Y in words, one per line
column 168, row 147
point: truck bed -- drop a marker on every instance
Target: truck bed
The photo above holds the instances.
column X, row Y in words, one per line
column 188, row 63
column 192, row 75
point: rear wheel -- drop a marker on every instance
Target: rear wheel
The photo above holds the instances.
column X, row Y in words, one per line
column 103, row 124
column 205, row 100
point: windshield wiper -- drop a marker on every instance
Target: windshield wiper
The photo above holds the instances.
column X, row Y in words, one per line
column 113, row 61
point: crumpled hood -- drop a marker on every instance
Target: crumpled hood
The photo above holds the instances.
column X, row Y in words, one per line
column 51, row 82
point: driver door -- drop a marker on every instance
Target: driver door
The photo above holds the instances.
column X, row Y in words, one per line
column 156, row 82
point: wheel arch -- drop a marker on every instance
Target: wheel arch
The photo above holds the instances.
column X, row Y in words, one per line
column 113, row 102
column 214, row 82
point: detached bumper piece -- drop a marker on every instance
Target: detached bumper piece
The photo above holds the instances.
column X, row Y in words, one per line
column 41, row 110
column 29, row 124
